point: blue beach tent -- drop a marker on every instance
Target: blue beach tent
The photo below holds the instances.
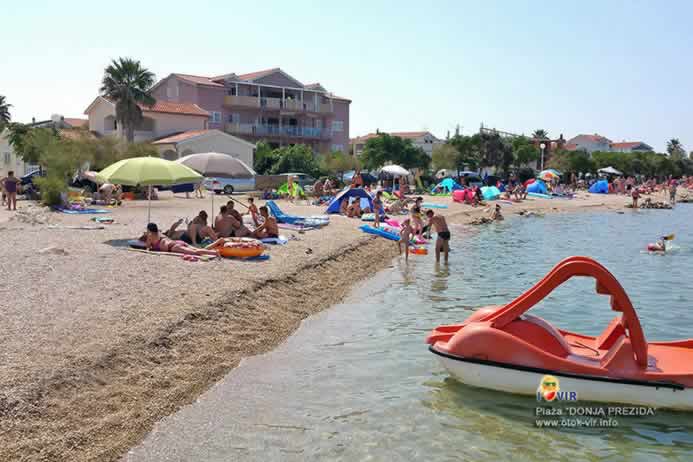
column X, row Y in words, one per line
column 448, row 185
column 600, row 187
column 538, row 187
column 346, row 194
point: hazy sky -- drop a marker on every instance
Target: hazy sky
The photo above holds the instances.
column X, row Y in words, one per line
column 623, row 69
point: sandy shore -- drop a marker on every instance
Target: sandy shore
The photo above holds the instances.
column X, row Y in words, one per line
column 99, row 343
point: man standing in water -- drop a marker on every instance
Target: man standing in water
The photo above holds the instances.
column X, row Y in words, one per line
column 438, row 223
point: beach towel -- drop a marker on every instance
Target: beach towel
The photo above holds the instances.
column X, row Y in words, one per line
column 295, row 227
column 79, row 211
column 281, row 240
column 427, row 205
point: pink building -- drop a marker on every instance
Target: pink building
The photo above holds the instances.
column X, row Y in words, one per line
column 268, row 105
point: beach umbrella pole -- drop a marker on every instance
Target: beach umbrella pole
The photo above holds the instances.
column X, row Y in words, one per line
column 149, row 204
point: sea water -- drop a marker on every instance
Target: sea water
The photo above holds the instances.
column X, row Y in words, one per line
column 356, row 382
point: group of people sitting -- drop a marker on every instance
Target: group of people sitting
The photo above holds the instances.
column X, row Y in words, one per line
column 201, row 239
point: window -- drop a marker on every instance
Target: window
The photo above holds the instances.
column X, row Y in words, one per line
column 172, row 90
column 231, row 91
column 234, row 118
column 215, row 117
column 337, row 125
column 7, row 158
column 338, row 147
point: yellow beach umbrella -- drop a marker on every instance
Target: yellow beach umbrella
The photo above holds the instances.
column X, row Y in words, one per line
column 148, row 171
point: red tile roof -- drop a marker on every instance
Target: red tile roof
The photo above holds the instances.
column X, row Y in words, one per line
column 570, row 147
column 199, row 80
column 75, row 122
column 407, row 135
column 180, row 137
column 258, row 74
column 626, row 144
column 595, row 138
column 168, row 107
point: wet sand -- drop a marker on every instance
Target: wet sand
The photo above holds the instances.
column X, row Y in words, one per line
column 99, row 343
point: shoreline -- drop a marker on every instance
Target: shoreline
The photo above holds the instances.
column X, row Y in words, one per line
column 97, row 407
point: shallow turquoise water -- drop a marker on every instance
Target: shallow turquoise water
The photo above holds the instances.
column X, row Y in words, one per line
column 358, row 383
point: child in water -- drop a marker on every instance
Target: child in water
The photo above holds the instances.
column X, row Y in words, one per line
column 405, row 236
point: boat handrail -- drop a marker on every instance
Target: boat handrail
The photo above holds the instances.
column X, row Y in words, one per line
column 607, row 284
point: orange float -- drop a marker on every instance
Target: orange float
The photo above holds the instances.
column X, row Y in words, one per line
column 241, row 247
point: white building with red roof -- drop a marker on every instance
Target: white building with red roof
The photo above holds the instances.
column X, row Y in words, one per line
column 595, row 143
column 162, row 119
column 422, row 139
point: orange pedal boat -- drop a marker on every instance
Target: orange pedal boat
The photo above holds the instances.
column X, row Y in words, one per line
column 503, row 348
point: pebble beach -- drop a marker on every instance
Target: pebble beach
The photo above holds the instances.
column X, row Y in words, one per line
column 99, row 342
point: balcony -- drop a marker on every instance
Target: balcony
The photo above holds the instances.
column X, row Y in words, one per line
column 276, row 130
column 249, row 101
column 290, row 105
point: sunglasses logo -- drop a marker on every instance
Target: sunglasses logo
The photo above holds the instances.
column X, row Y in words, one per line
column 550, row 390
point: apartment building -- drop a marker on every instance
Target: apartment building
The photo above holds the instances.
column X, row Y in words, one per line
column 268, row 105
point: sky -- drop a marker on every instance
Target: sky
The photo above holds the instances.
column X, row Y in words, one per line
column 622, row 69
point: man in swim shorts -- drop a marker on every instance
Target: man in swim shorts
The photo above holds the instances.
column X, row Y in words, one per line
column 438, row 223
column 269, row 228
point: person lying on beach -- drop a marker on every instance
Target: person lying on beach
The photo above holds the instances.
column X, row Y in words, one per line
column 405, row 236
column 158, row 243
column 497, row 215
column 438, row 223
column 344, row 207
column 269, row 228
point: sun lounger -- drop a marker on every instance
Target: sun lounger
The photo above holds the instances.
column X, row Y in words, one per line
column 281, row 217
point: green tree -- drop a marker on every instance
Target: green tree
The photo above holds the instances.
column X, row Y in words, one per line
column 540, row 134
column 524, row 150
column 128, row 85
column 385, row 148
column 444, row 156
column 337, row 163
column 264, row 158
column 4, row 113
column 469, row 151
column 296, row 158
column 27, row 142
column 675, row 149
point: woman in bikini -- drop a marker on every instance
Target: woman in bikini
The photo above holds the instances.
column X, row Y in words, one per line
column 158, row 243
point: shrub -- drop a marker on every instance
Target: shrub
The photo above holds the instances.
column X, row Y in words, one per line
column 51, row 186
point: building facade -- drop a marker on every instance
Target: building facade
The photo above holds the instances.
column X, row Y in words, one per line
column 162, row 119
column 598, row 143
column 267, row 105
column 196, row 141
column 631, row 146
column 424, row 140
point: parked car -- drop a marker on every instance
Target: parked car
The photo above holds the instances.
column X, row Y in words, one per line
column 229, row 185
column 28, row 179
column 304, row 180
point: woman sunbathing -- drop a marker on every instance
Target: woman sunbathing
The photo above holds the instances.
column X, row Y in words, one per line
column 158, row 243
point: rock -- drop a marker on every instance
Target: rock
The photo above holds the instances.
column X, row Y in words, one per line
column 53, row 251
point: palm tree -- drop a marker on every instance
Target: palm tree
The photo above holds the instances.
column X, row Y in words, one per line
column 675, row 149
column 540, row 134
column 4, row 112
column 128, row 85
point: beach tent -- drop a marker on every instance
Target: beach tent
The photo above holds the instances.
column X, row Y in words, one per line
column 490, row 193
column 538, row 187
column 448, row 185
column 600, row 187
column 298, row 190
column 346, row 194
